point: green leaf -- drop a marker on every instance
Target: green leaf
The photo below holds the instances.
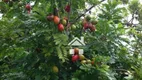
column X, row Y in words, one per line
column 74, row 79
column 60, row 54
column 38, row 77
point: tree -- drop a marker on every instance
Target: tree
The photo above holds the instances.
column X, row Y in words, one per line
column 34, row 37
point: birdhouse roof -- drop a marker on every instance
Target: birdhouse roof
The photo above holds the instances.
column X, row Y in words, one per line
column 76, row 42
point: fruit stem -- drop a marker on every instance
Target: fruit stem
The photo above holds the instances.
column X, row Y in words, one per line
column 67, row 30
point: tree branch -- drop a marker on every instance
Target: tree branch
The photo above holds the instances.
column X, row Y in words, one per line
column 85, row 13
column 121, row 70
column 130, row 23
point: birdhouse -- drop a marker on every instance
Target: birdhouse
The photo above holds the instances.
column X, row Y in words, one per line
column 77, row 43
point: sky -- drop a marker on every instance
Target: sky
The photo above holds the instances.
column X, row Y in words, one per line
column 140, row 1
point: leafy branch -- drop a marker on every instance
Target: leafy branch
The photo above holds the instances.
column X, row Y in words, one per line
column 86, row 10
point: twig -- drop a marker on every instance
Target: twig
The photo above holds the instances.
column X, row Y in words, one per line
column 120, row 70
column 68, row 17
column 132, row 19
column 85, row 13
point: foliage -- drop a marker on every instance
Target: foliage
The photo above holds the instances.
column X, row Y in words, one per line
column 31, row 45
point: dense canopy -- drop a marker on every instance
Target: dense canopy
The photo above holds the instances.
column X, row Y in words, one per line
column 34, row 37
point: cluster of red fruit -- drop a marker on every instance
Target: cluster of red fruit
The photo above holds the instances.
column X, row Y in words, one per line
column 80, row 57
column 88, row 24
column 60, row 22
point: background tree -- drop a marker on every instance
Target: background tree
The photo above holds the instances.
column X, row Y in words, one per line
column 34, row 37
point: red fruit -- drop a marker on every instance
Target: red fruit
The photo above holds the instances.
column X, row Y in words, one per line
column 86, row 25
column 92, row 28
column 75, row 58
column 56, row 19
column 60, row 27
column 90, row 24
column 28, row 7
column 76, row 51
column 92, row 62
column 67, row 8
column 50, row 17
